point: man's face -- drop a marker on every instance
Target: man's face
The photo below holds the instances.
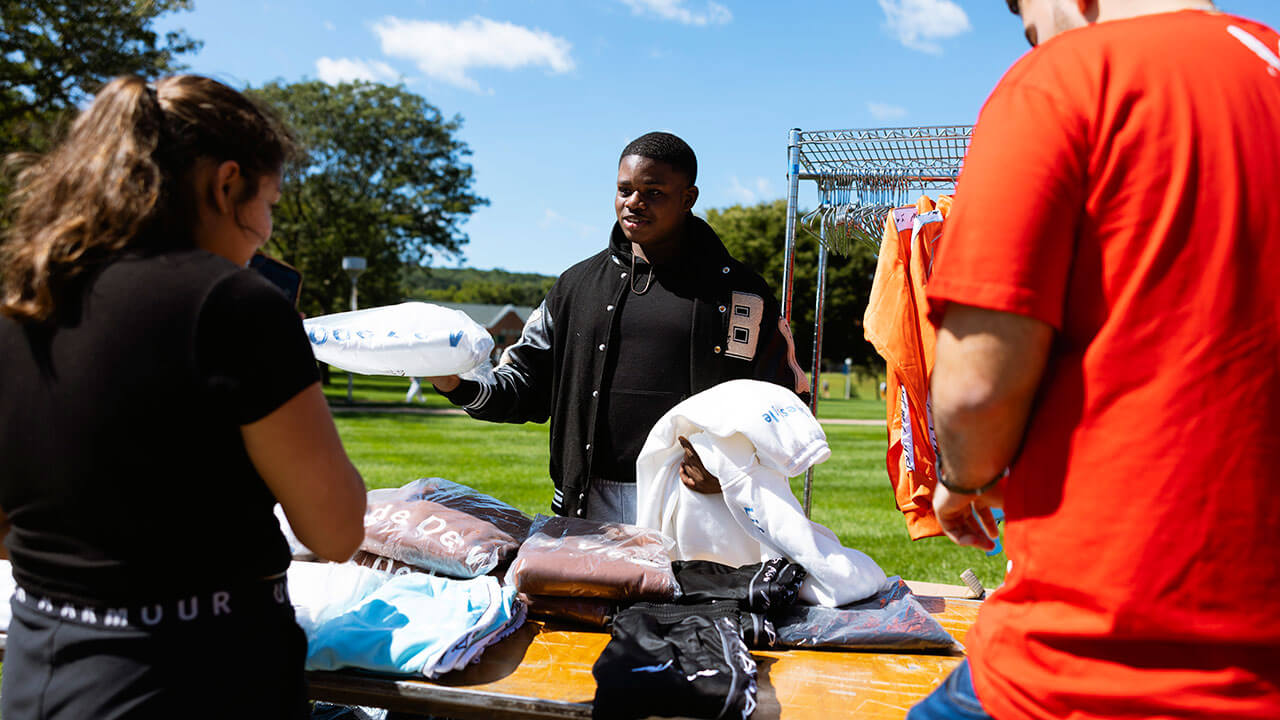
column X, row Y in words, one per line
column 652, row 200
column 1042, row 19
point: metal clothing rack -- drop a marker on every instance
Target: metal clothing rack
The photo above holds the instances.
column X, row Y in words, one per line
column 861, row 175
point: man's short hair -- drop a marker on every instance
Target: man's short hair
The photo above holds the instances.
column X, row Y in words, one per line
column 667, row 148
column 1014, row 7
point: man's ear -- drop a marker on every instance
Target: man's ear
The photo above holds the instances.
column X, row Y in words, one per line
column 226, row 186
column 690, row 197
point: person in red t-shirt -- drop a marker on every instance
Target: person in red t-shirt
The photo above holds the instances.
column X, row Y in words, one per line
column 1111, row 332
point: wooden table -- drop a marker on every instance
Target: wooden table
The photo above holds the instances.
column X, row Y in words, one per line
column 543, row 670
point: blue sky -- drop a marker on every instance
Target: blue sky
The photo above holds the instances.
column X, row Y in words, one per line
column 551, row 90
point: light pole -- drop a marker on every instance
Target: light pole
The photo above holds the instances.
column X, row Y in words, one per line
column 354, row 266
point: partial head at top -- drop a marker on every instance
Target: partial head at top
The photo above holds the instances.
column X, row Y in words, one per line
column 667, row 148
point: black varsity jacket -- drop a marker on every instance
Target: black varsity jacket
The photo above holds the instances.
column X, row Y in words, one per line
column 556, row 370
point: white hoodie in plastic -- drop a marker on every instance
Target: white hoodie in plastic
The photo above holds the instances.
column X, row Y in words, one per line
column 753, row 436
column 416, row 339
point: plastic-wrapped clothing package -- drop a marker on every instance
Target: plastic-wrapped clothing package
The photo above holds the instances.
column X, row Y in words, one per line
column 415, row 624
column 442, row 527
column 320, row 590
column 7, row 586
column 752, row 435
column 572, row 557
column 892, row 619
column 675, row 660
column 329, row 711
column 383, row 564
column 416, row 339
column 768, row 587
column 296, row 549
column 587, row 611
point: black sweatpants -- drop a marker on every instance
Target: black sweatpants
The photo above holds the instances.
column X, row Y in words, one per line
column 70, row 663
column 675, row 660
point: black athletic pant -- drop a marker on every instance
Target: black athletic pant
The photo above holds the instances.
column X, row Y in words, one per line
column 236, row 655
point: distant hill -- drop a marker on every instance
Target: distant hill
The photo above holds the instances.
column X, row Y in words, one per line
column 467, row 285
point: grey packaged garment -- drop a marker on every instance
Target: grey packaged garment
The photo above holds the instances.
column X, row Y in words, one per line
column 892, row 619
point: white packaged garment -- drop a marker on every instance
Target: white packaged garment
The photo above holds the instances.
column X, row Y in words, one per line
column 414, row 338
column 753, row 436
column 7, row 586
column 296, row 549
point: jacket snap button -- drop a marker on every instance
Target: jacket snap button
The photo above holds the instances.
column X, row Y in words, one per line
column 624, row 276
column 602, row 347
column 725, row 269
column 588, row 446
column 722, row 308
column 609, row 308
column 582, row 496
column 717, row 349
column 595, row 393
column 582, row 512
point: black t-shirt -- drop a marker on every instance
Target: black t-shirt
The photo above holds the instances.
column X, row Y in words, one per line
column 124, row 473
column 647, row 369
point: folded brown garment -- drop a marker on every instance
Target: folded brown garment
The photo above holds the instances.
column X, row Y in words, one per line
column 570, row 557
column 588, row 611
column 472, row 502
column 385, row 564
column 442, row 527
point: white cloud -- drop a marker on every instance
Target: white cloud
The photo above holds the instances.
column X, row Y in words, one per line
column 715, row 13
column 340, row 70
column 885, row 111
column 328, row 25
column 918, row 23
column 445, row 51
column 758, row 190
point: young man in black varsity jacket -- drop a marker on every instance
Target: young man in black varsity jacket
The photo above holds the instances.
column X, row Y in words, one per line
column 622, row 337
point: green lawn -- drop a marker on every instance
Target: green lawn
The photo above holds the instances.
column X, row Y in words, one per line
column 380, row 391
column 851, row 493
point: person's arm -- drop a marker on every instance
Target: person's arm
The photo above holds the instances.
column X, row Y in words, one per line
column 445, row 383
column 297, row 452
column 985, row 378
column 521, row 391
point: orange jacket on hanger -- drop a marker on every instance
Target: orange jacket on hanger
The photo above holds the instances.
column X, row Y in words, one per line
column 925, row 234
column 892, row 324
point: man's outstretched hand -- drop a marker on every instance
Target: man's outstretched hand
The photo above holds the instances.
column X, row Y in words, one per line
column 693, row 473
column 444, row 383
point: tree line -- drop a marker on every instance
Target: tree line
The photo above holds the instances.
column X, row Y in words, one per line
column 383, row 173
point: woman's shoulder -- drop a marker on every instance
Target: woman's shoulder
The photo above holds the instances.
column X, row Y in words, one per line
column 180, row 279
column 187, row 268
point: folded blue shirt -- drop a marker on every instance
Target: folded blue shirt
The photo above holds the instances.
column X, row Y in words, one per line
column 413, row 624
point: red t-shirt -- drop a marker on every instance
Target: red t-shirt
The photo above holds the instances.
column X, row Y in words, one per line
column 1121, row 187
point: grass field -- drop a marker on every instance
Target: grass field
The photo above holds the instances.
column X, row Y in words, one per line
column 851, row 493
